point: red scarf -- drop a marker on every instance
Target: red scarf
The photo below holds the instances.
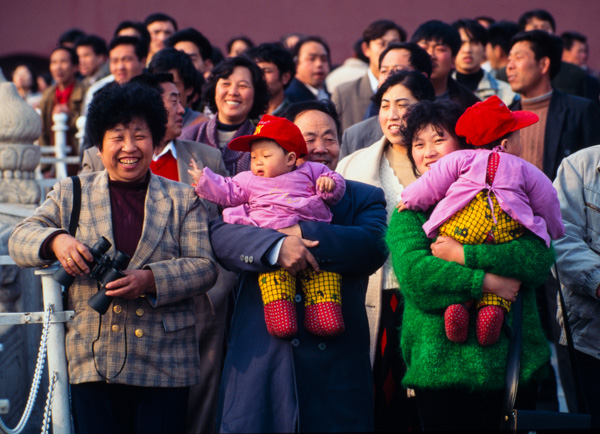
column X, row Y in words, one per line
column 63, row 96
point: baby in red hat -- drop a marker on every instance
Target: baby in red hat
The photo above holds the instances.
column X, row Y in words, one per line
column 276, row 194
column 486, row 195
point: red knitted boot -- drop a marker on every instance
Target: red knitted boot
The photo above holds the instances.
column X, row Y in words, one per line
column 324, row 319
column 280, row 317
column 489, row 324
column 456, row 320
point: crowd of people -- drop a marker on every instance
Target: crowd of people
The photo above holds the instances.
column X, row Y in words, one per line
column 323, row 250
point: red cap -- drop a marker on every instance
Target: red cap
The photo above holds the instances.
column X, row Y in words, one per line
column 285, row 133
column 491, row 120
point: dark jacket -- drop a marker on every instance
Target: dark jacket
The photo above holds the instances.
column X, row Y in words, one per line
column 573, row 123
column 307, row 383
column 298, row 92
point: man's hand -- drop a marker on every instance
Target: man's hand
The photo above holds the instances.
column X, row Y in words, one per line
column 325, row 183
column 133, row 285
column 504, row 287
column 448, row 249
column 294, row 255
column 195, row 172
column 292, row 230
column 72, row 254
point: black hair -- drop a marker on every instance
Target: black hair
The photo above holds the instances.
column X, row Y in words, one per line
column 96, row 42
column 195, row 37
column 323, row 106
column 436, row 30
column 246, row 40
column 116, row 104
column 441, row 114
column 170, row 58
column 32, row 72
column 158, row 16
column 569, row 39
column 217, row 56
column 543, row 44
column 419, row 86
column 475, row 31
column 501, row 33
column 70, row 36
column 419, row 59
column 358, row 52
column 154, row 80
column 379, row 28
column 318, row 40
column 72, row 54
column 540, row 14
column 275, row 53
column 224, row 70
column 137, row 26
column 140, row 48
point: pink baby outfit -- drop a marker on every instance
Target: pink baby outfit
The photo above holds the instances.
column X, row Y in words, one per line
column 522, row 191
column 273, row 202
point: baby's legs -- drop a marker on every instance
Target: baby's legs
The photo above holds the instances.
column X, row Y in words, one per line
column 323, row 302
column 278, row 289
column 490, row 316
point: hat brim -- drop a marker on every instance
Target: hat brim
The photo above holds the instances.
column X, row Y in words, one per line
column 523, row 119
column 243, row 143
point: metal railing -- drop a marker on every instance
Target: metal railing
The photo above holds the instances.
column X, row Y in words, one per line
column 52, row 346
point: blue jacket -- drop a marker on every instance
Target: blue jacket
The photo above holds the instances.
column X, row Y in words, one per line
column 307, row 383
column 577, row 253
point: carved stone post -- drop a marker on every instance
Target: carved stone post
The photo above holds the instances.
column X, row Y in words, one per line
column 20, row 125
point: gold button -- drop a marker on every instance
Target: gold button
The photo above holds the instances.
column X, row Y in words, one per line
column 139, row 312
column 116, row 328
column 117, row 309
column 139, row 333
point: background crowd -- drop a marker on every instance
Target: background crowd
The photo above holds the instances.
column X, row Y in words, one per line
column 359, row 118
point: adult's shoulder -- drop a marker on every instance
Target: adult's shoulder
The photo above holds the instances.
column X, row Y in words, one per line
column 359, row 191
column 586, row 158
column 193, row 146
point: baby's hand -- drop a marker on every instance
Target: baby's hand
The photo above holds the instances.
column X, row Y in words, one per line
column 325, row 183
column 401, row 207
column 195, row 172
column 448, row 249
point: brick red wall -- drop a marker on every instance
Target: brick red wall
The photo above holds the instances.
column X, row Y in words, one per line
column 33, row 26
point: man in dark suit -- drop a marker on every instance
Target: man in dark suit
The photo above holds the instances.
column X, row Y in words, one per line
column 567, row 123
column 352, row 99
column 305, row 383
column 313, row 63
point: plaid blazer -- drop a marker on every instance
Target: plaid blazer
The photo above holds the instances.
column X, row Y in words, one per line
column 149, row 341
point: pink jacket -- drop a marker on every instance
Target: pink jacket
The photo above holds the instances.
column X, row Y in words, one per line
column 272, row 202
column 522, row 191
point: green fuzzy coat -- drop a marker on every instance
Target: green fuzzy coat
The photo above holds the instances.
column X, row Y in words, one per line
column 429, row 285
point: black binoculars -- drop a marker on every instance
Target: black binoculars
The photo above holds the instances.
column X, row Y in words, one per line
column 103, row 268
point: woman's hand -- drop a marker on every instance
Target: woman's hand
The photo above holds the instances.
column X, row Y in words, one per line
column 401, row 207
column 72, row 254
column 504, row 287
column 448, row 249
column 135, row 284
column 195, row 172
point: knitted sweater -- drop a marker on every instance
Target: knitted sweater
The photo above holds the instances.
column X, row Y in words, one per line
column 429, row 285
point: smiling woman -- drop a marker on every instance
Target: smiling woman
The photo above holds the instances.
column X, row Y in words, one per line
column 237, row 93
column 385, row 164
column 163, row 228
